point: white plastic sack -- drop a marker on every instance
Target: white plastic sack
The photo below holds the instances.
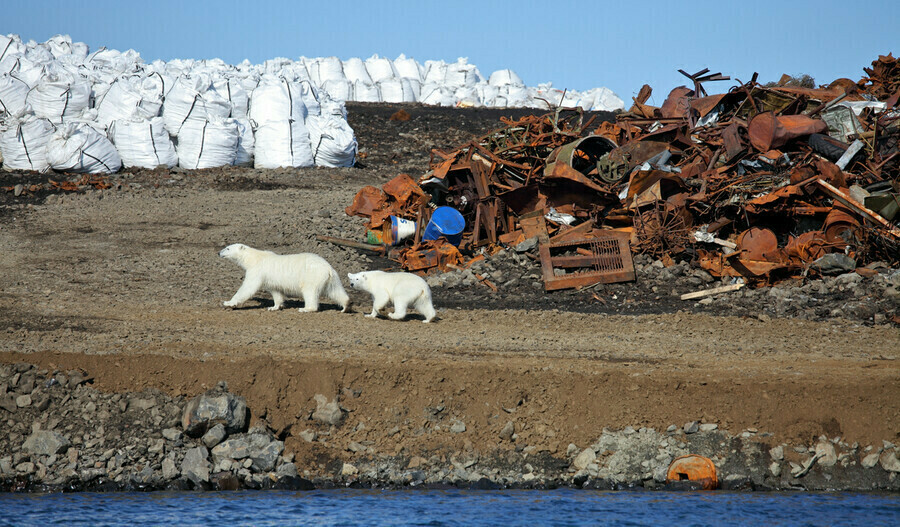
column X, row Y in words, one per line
column 392, row 90
column 435, row 71
column 332, row 140
column 437, row 95
column 339, row 90
column 58, row 97
column 330, row 69
column 277, row 100
column 355, row 70
column 131, row 97
column 233, row 91
column 282, row 144
column 380, row 68
column 461, row 73
column 193, row 99
column 408, row 68
column 208, row 144
column 77, row 147
column 365, row 92
column 144, row 144
column 245, row 147
column 505, row 78
column 23, row 143
column 12, row 95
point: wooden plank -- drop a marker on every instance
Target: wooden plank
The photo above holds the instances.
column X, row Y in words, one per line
column 713, row 291
column 859, row 208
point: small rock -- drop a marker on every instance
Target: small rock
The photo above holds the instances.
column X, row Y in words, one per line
column 45, row 443
column 141, row 404
column 286, row 470
column 308, row 435
column 458, row 427
column 349, row 470
column 214, row 436
column 672, row 428
column 585, row 458
column 18, row 189
column 828, row 456
column 889, row 461
column 775, row 468
column 708, row 427
column 571, row 449
column 870, row 461
column 416, row 462
column 169, row 470
column 172, row 434
column 23, row 400
column 691, row 427
column 327, row 412
column 777, row 453
column 508, row 430
column 8, row 403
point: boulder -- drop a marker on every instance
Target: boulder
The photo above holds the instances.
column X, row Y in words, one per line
column 206, row 411
column 585, row 458
column 195, row 466
column 260, row 449
column 327, row 412
column 45, row 443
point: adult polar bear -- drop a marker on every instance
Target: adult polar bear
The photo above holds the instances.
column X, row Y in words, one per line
column 305, row 274
column 403, row 289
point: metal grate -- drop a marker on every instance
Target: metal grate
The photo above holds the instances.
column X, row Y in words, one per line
column 605, row 259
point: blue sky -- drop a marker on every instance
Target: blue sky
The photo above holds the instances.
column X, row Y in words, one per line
column 577, row 45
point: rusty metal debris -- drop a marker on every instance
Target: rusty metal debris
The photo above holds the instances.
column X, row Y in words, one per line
column 759, row 183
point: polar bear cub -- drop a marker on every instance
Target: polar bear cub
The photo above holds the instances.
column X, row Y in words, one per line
column 403, row 289
column 305, row 275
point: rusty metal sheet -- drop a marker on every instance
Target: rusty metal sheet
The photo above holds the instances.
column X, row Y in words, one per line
column 694, row 468
column 768, row 131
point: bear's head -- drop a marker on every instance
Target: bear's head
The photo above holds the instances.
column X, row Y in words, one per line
column 233, row 251
column 356, row 279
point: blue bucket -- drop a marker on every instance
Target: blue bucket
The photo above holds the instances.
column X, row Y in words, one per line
column 446, row 222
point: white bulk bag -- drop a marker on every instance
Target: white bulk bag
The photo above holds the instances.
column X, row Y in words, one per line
column 408, row 68
column 77, row 147
column 468, row 96
column 208, row 144
column 435, row 71
column 339, row 90
column 437, row 95
column 412, row 86
column 330, row 69
column 365, row 92
column 355, row 70
column 144, row 144
column 10, row 45
column 461, row 73
column 392, row 91
column 244, row 155
column 505, row 78
column 232, row 90
column 23, row 143
column 380, row 68
column 12, row 95
column 129, row 97
column 606, row 100
column 59, row 96
column 282, row 143
column 25, row 70
column 332, row 140
column 277, row 100
column 193, row 99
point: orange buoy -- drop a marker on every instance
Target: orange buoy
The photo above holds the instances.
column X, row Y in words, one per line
column 693, row 468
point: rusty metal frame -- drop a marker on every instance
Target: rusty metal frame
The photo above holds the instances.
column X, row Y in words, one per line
column 608, row 260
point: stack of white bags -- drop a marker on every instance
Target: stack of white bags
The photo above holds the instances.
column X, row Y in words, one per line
column 64, row 108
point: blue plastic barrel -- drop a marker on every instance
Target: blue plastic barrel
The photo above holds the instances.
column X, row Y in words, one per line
column 446, row 222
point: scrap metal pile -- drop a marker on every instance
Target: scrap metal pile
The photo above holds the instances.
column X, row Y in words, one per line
column 761, row 182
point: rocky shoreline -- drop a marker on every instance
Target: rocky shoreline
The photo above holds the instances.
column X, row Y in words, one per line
column 63, row 435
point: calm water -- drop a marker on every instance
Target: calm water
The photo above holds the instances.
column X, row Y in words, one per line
column 453, row 507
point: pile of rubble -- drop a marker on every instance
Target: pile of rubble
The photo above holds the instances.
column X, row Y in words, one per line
column 759, row 184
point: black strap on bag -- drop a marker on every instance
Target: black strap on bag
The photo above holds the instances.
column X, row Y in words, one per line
column 202, row 142
column 153, row 142
column 189, row 112
column 21, row 136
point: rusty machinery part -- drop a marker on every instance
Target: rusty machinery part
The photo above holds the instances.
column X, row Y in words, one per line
column 661, row 230
column 694, row 468
column 583, row 155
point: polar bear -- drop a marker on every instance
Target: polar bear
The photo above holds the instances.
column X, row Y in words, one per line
column 402, row 289
column 305, row 274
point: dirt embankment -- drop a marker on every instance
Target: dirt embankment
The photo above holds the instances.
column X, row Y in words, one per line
column 125, row 284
